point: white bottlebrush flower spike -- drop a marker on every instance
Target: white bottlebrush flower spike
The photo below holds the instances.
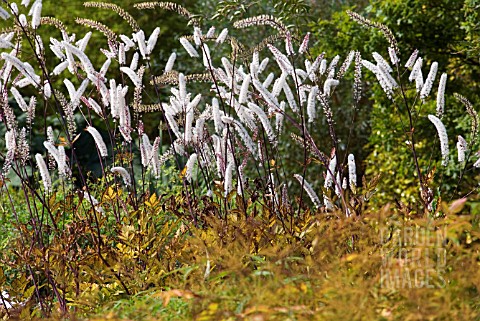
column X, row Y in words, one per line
column 327, row 86
column 190, row 166
column 411, row 61
column 441, row 95
column 222, row 36
column 152, row 40
column 170, row 62
column 461, row 148
column 382, row 62
column 188, row 47
column 308, row 188
column 281, row 59
column 122, row 172
column 228, row 185
column 4, row 14
column 330, row 172
column 417, row 68
column 42, row 167
column 264, row 120
column 304, row 45
column 132, row 75
column 427, row 87
column 477, row 163
column 102, row 148
column 37, row 11
column 393, row 56
column 312, row 97
column 442, row 135
column 352, row 172
column 242, row 98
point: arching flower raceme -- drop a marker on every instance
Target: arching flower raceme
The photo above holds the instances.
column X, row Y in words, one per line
column 189, row 48
column 311, row 112
column 330, row 172
column 102, row 148
column 170, row 62
column 264, row 120
column 441, row 95
column 429, row 81
column 37, row 11
column 413, row 58
column 189, row 167
column 228, row 178
column 42, row 167
column 308, row 188
column 304, row 45
column 352, row 172
column 393, row 56
column 461, row 148
column 222, row 36
column 442, row 135
column 122, row 172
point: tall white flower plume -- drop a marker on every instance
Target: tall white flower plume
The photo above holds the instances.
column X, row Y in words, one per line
column 308, row 188
column 122, row 172
column 42, row 167
column 442, row 135
column 429, row 81
column 461, row 148
column 441, row 95
column 352, row 172
column 189, row 167
column 102, row 148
